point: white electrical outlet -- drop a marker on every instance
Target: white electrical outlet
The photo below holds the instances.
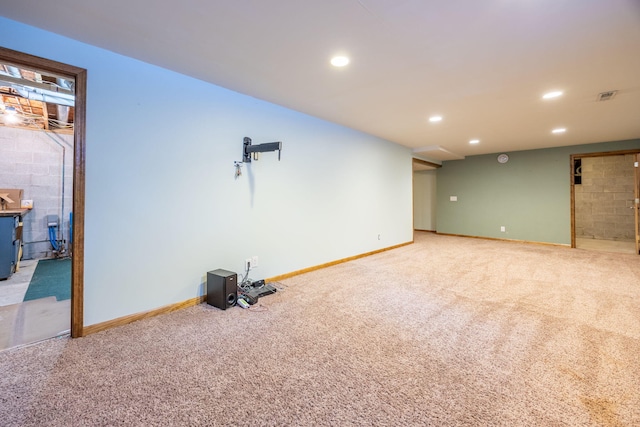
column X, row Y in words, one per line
column 254, row 261
column 503, row 228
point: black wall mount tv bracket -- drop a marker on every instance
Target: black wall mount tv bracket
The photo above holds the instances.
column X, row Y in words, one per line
column 248, row 149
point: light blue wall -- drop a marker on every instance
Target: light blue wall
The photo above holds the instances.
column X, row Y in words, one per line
column 530, row 195
column 162, row 204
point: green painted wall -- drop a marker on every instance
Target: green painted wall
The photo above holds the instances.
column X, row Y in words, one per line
column 530, row 195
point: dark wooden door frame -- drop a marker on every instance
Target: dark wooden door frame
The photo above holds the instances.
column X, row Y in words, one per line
column 636, row 202
column 573, row 188
column 79, row 75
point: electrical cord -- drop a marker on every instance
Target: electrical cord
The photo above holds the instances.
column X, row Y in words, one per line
column 279, row 286
column 245, row 279
column 258, row 308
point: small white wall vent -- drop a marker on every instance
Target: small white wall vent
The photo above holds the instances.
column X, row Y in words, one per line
column 605, row 96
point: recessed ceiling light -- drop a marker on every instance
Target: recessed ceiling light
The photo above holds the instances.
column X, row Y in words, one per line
column 434, row 119
column 474, row 141
column 339, row 61
column 553, row 94
column 559, row 130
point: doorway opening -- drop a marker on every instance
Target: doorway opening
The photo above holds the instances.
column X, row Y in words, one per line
column 424, row 195
column 41, row 105
column 604, row 205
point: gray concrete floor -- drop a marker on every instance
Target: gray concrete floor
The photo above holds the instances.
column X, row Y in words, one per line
column 23, row 323
column 13, row 289
column 625, row 247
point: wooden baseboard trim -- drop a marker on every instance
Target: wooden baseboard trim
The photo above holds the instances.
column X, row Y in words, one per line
column 120, row 321
column 329, row 264
column 564, row 245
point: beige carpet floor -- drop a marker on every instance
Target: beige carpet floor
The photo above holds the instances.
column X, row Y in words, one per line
column 448, row 331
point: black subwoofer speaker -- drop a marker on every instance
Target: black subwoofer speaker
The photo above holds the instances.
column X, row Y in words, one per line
column 222, row 288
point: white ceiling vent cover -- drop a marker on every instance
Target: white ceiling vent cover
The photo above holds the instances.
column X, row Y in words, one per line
column 605, row 96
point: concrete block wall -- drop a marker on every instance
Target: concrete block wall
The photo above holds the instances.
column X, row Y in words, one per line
column 33, row 161
column 605, row 199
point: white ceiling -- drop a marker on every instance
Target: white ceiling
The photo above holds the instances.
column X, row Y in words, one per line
column 481, row 64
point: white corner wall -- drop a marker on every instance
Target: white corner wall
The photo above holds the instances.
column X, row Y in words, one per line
column 162, row 204
column 424, row 200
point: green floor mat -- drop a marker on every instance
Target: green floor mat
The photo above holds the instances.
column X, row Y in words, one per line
column 52, row 277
